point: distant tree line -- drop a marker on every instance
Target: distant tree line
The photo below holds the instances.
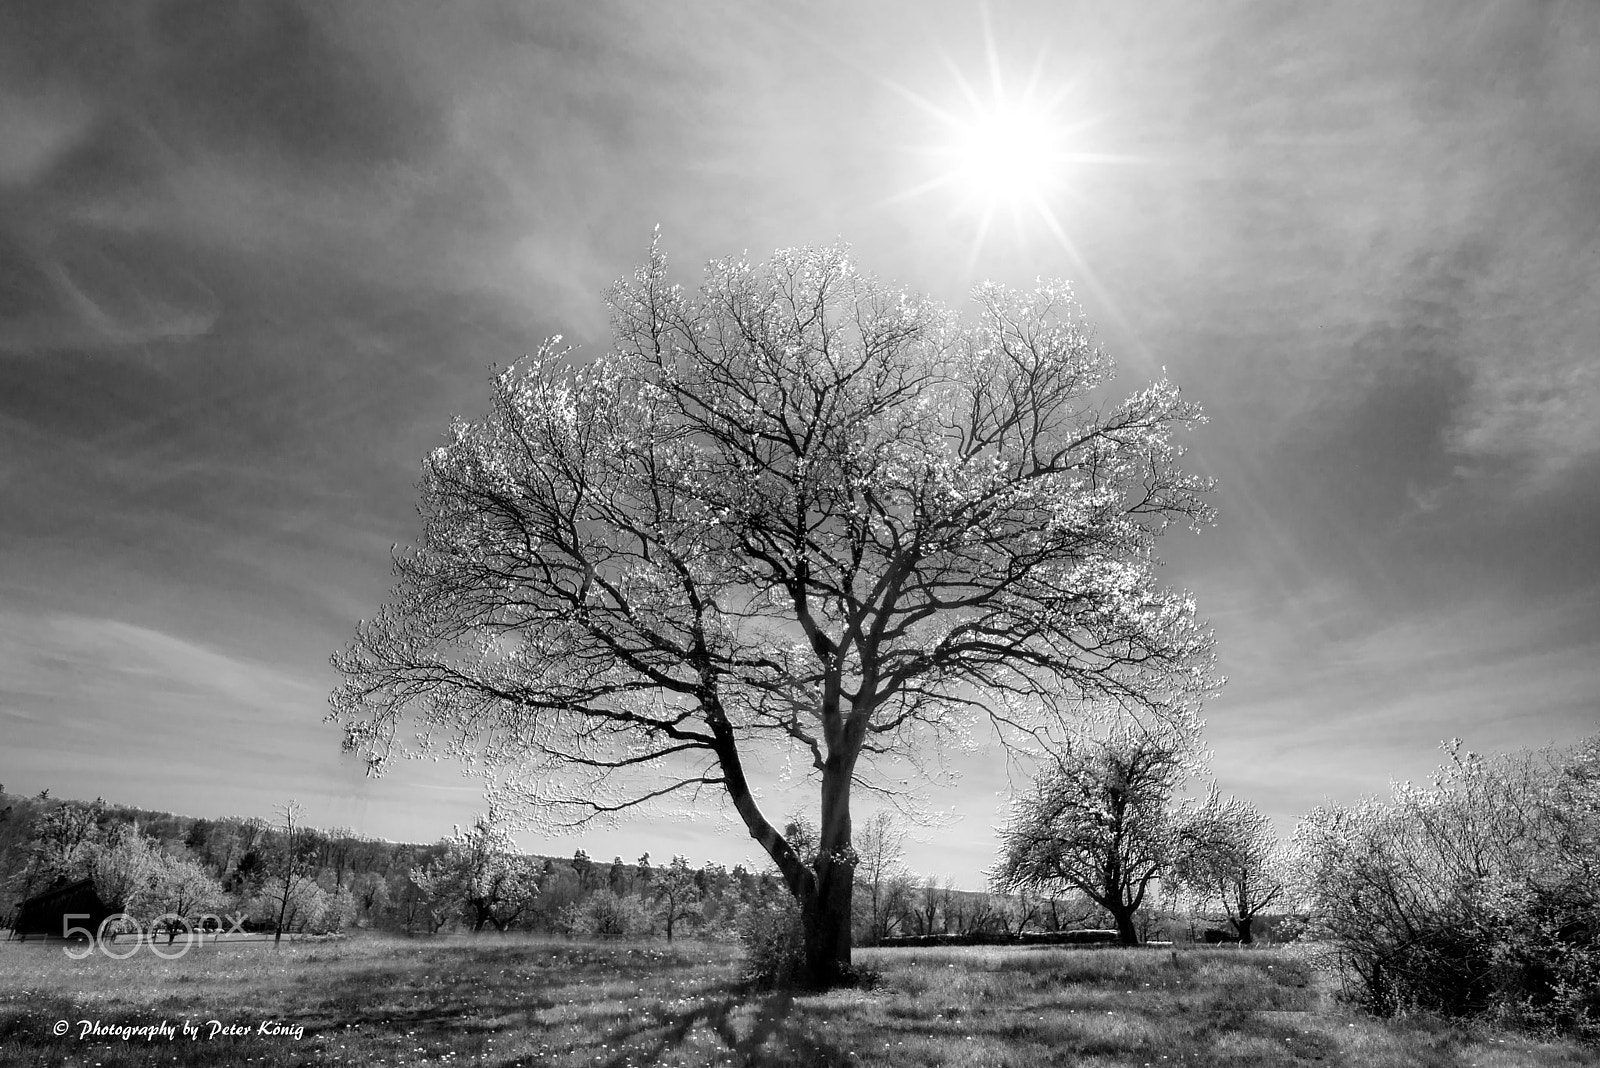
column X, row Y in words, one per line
column 283, row 875
column 154, row 864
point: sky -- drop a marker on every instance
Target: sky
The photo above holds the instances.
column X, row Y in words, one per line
column 255, row 255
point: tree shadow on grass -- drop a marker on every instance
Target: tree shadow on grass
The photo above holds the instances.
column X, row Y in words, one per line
column 577, row 998
column 755, row 1028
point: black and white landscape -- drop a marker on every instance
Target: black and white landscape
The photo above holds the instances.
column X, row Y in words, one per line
column 928, row 487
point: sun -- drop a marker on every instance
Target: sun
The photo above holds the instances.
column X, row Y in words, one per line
column 1006, row 155
column 1009, row 145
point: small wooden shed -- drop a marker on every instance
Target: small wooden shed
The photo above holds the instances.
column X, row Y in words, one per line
column 46, row 914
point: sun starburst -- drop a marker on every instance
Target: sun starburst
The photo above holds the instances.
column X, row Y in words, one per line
column 1008, row 148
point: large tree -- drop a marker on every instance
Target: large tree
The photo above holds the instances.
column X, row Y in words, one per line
column 1100, row 819
column 794, row 514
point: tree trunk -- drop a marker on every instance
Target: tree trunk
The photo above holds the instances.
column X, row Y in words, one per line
column 283, row 912
column 822, row 885
column 1127, row 933
column 1243, row 927
column 826, row 923
column 825, row 914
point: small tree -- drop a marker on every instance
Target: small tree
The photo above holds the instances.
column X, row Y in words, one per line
column 303, row 906
column 1226, row 852
column 880, row 868
column 289, row 888
column 796, row 514
column 1099, row 820
column 676, row 893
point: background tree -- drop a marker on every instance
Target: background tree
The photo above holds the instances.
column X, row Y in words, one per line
column 676, row 892
column 60, row 842
column 372, row 896
column 482, row 874
column 1226, row 852
column 797, row 510
column 584, row 867
column 254, row 862
column 881, row 874
column 289, row 888
column 929, row 903
column 124, row 867
column 646, row 872
column 181, row 890
column 620, row 877
column 335, row 854
column 1015, row 913
column 1099, row 819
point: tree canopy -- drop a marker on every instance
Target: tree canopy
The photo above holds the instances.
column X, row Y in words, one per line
column 795, row 513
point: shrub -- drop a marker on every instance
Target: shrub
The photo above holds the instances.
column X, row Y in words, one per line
column 773, row 943
column 311, row 909
column 1474, row 898
column 605, row 914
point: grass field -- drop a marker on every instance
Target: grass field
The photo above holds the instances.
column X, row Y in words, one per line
column 500, row 1002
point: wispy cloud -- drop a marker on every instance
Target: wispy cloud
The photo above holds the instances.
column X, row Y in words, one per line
column 126, row 676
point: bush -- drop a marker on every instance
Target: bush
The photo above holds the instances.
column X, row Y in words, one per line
column 774, row 944
column 605, row 914
column 311, row 909
column 1475, row 898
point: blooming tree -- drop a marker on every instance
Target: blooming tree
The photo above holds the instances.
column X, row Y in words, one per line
column 1100, row 820
column 794, row 516
column 123, row 866
column 1226, row 852
column 61, row 843
column 482, row 874
column 880, row 844
column 676, row 893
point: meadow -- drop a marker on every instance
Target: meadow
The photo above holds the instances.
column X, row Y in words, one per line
column 491, row 1001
